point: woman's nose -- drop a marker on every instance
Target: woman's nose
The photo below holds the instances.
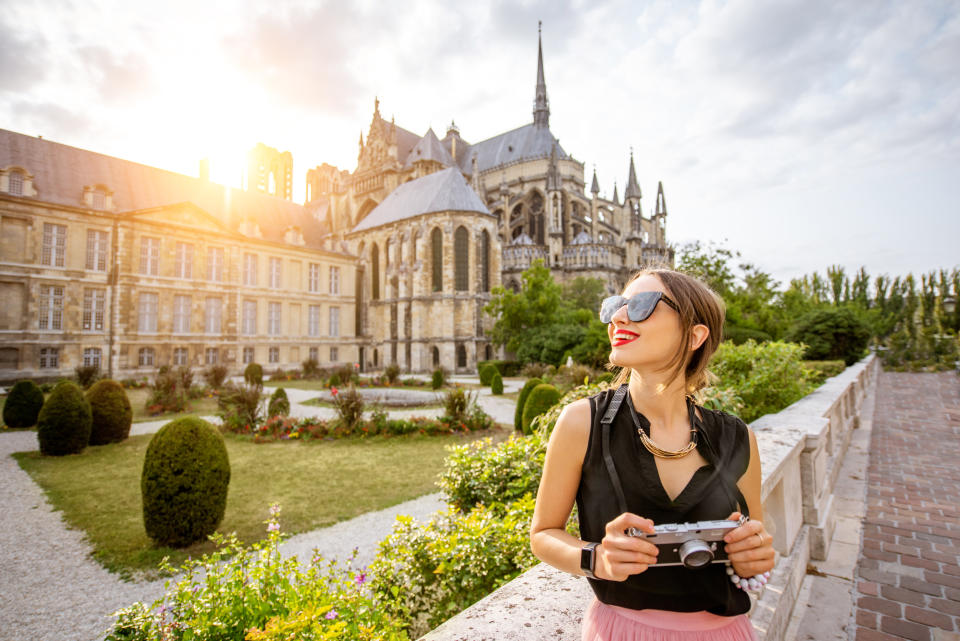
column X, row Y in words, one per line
column 620, row 316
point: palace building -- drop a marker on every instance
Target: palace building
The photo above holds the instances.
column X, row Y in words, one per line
column 110, row 262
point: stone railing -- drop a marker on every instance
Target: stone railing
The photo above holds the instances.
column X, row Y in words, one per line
column 520, row 257
column 801, row 450
column 592, row 255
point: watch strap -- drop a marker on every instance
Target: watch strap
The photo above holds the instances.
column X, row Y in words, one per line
column 588, row 559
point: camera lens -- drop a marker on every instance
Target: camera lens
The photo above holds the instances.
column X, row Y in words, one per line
column 695, row 553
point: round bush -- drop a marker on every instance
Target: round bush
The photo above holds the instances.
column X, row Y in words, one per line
column 542, row 398
column 111, row 412
column 522, row 399
column 65, row 421
column 184, row 482
column 486, row 373
column 334, row 380
column 832, row 333
column 496, row 384
column 438, row 379
column 279, row 403
column 23, row 405
column 253, row 374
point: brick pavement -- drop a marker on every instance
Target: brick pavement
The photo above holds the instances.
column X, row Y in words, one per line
column 908, row 573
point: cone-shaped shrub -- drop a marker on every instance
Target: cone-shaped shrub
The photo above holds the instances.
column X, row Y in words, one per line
column 111, row 412
column 496, row 384
column 486, row 373
column 279, row 404
column 521, row 400
column 64, row 423
column 184, row 483
column 542, row 398
column 23, row 405
column 253, row 374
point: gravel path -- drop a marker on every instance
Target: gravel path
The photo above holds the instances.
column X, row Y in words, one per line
column 52, row 589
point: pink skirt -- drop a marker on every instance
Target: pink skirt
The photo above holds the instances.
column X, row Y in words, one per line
column 602, row 622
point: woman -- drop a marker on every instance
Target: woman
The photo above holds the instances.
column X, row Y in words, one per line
column 654, row 457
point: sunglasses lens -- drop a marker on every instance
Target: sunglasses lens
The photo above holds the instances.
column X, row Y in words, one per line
column 610, row 306
column 642, row 305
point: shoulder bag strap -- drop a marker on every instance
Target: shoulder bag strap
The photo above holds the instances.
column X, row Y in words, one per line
column 605, row 424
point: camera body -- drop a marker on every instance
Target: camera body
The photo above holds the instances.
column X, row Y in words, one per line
column 692, row 545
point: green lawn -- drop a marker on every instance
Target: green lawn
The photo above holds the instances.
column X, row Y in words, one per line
column 138, row 401
column 318, row 385
column 316, row 483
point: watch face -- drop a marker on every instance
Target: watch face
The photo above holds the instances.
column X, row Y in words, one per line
column 586, row 559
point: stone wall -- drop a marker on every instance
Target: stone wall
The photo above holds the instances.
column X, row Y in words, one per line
column 801, row 450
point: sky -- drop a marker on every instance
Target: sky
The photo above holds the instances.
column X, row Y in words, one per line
column 801, row 133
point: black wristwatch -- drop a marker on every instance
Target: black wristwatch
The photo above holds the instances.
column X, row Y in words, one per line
column 588, row 559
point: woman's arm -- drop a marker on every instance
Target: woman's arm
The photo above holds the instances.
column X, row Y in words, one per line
column 618, row 556
column 750, row 546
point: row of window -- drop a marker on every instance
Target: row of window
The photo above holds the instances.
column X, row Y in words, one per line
column 54, row 254
column 146, row 356
column 461, row 256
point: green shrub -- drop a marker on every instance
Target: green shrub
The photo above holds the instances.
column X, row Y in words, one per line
column 310, row 368
column 391, row 373
column 184, row 377
column 496, row 384
column 825, row 369
column 279, row 403
column 334, row 380
column 831, row 333
column 46, row 388
column 253, row 374
column 456, row 403
column 485, row 473
column 111, row 412
column 486, row 372
column 215, row 375
column 23, row 405
column 541, row 399
column 439, row 378
column 64, row 422
column 184, row 482
column 240, row 406
column 766, row 376
column 350, row 405
column 449, row 563
column 506, row 368
column 258, row 594
column 740, row 335
column 542, row 425
column 538, row 370
column 86, row 375
column 166, row 394
column 521, row 401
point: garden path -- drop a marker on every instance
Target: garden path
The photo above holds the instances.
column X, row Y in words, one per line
column 54, row 589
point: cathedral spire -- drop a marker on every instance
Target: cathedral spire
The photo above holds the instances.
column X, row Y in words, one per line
column 661, row 200
column 616, row 196
column 595, row 187
column 633, row 187
column 541, row 107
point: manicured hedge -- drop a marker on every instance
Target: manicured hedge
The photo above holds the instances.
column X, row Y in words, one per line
column 111, row 412
column 23, row 405
column 541, row 399
column 65, row 421
column 521, row 401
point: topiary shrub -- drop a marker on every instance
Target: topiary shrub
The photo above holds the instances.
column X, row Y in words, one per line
column 486, row 372
column 279, row 403
column 184, row 482
column 391, row 373
column 334, row 380
column 253, row 375
column 23, row 405
column 439, row 378
column 524, row 393
column 65, row 421
column 86, row 375
column 832, row 333
column 111, row 412
column 541, row 399
column 496, row 384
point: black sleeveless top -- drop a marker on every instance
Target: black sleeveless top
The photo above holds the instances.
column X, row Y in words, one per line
column 723, row 441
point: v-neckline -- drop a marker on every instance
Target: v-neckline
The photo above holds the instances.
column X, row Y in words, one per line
column 652, row 471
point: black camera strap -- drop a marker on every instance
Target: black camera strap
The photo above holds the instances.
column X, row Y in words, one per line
column 607, row 420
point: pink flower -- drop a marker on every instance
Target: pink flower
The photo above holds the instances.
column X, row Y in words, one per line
column 273, row 526
column 334, row 391
column 332, row 614
column 361, row 578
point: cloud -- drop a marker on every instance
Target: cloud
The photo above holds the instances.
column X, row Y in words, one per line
column 23, row 58
column 52, row 120
column 118, row 77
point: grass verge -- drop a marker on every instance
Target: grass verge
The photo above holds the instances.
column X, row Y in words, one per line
column 317, row 483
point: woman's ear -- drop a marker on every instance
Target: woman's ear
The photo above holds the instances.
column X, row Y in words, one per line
column 698, row 334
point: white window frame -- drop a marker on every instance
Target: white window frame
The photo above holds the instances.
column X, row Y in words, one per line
column 148, row 308
column 334, row 280
column 94, row 309
column 250, row 270
column 334, row 326
column 273, row 355
column 92, row 357
column 51, row 307
column 181, row 356
column 211, row 356
column 215, row 264
column 54, row 245
column 334, row 354
column 213, row 316
column 97, row 247
column 15, row 183
column 314, row 354
column 313, row 320
column 146, row 357
column 313, row 277
column 181, row 314
column 276, row 272
column 249, row 317
column 49, row 357
column 249, row 355
column 184, row 262
column 274, row 318
column 150, row 256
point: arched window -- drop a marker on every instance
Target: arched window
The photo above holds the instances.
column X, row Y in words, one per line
column 436, row 356
column 376, row 358
column 536, row 202
column 489, row 352
column 484, row 261
column 436, row 249
column 374, row 273
column 461, row 254
column 461, row 355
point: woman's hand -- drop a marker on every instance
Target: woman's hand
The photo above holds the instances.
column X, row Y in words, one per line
column 619, row 555
column 749, row 548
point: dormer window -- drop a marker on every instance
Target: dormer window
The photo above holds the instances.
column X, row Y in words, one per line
column 16, row 183
column 98, row 197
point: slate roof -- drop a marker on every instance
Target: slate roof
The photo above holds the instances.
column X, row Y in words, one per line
column 61, row 172
column 440, row 191
column 524, row 143
column 429, row 148
column 406, row 141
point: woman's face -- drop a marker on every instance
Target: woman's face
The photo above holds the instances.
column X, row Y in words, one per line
column 650, row 344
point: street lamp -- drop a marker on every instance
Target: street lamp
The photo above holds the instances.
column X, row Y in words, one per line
column 949, row 303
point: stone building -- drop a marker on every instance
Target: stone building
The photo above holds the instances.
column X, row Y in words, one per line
column 109, row 262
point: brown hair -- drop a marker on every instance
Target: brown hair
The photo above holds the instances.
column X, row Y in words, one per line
column 697, row 305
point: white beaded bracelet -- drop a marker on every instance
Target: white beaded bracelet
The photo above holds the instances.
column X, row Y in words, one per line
column 748, row 584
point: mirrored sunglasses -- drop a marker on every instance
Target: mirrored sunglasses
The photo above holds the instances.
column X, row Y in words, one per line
column 639, row 306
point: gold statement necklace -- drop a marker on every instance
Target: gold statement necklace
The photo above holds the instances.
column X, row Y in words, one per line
column 659, row 452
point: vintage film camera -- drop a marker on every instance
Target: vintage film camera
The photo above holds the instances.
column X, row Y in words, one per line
column 692, row 545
